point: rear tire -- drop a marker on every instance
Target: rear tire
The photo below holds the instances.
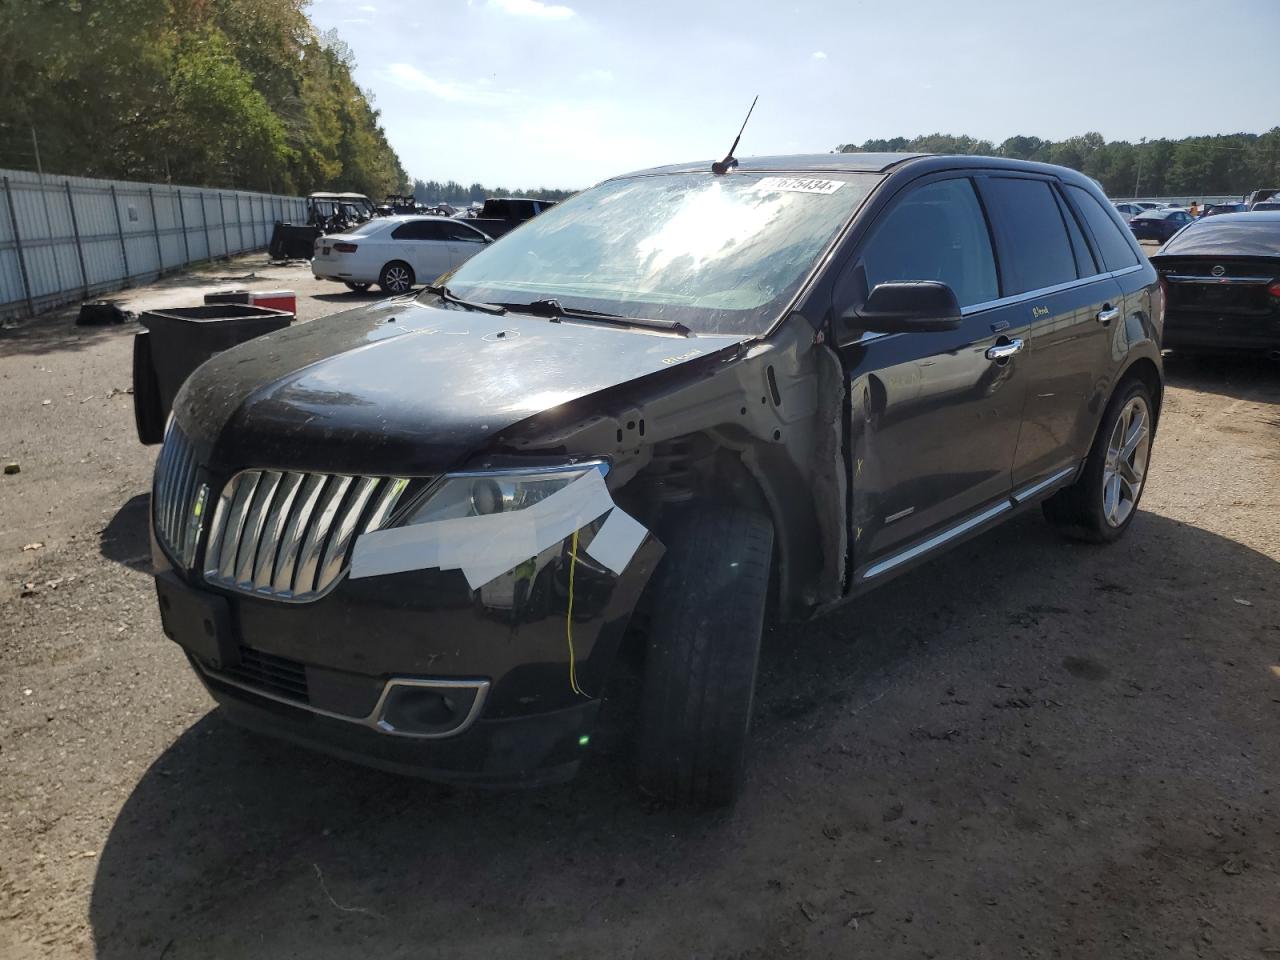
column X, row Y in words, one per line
column 1103, row 501
column 357, row 287
column 703, row 650
column 396, row 277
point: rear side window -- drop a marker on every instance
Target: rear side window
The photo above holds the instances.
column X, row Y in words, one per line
column 420, row 230
column 1085, row 265
column 936, row 232
column 1035, row 251
column 1112, row 244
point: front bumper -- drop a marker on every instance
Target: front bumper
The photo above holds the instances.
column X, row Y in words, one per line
column 325, row 673
column 515, row 751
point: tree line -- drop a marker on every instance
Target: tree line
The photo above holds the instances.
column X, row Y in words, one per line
column 1227, row 165
column 222, row 93
column 452, row 192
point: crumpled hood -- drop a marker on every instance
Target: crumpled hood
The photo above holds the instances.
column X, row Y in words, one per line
column 404, row 388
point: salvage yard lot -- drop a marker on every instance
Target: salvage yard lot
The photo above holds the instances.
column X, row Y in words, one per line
column 1025, row 748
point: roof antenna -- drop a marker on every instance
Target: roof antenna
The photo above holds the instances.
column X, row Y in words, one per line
column 730, row 161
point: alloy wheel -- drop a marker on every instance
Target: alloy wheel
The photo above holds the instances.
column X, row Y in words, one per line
column 1126, row 465
column 397, row 279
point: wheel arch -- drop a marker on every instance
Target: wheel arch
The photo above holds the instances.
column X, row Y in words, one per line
column 1144, row 369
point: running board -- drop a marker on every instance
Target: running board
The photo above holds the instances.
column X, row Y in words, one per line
column 1017, row 498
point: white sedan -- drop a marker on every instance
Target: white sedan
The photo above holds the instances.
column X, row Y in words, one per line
column 396, row 252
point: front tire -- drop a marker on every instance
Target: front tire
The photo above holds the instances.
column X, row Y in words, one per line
column 1103, row 501
column 703, row 650
column 396, row 277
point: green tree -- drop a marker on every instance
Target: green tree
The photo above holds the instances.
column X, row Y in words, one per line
column 217, row 92
column 1224, row 165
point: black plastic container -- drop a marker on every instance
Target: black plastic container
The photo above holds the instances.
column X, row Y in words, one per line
column 292, row 241
column 227, row 296
column 177, row 341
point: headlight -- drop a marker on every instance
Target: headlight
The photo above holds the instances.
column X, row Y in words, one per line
column 498, row 491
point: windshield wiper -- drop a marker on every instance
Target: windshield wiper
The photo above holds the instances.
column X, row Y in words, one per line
column 550, row 307
column 448, row 296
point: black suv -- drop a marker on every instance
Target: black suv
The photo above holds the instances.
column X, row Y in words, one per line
column 415, row 534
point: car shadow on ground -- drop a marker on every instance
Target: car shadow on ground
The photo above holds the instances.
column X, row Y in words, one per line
column 125, row 539
column 236, row 845
column 1248, row 377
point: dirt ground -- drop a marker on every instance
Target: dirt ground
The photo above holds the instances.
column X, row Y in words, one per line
column 1024, row 749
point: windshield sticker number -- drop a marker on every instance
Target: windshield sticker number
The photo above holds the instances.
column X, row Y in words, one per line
column 798, row 185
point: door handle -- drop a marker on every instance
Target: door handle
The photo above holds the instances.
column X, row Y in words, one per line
column 1107, row 314
column 1003, row 351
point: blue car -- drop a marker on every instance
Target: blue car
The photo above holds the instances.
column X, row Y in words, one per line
column 1159, row 225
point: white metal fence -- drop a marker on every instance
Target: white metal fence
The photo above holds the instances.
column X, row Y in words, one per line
column 64, row 239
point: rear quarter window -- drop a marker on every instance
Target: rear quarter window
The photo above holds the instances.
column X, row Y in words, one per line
column 1035, row 251
column 1112, row 244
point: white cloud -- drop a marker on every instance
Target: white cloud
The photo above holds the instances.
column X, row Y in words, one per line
column 369, row 8
column 818, row 55
column 533, row 8
column 409, row 77
column 597, row 77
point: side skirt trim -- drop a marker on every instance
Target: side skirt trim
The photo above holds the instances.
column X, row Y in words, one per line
column 1026, row 493
column 937, row 540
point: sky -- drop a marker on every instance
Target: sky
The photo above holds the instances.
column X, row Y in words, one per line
column 530, row 93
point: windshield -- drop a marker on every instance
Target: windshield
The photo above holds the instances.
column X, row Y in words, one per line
column 719, row 254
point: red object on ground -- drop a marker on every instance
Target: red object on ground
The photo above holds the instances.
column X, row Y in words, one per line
column 285, row 300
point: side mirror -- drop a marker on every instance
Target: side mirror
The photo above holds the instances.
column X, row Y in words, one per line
column 917, row 306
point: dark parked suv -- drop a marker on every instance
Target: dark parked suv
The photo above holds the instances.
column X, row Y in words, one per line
column 416, row 534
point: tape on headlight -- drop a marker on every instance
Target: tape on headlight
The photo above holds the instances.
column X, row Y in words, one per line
column 486, row 524
column 486, row 493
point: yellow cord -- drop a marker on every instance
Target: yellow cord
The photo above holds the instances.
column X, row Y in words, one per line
column 568, row 621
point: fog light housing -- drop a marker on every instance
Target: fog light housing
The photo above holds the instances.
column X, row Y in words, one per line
column 430, row 708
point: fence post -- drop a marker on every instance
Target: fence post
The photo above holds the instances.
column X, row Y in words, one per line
column 182, row 215
column 239, row 224
column 222, row 215
column 204, row 216
column 124, row 253
column 17, row 240
column 75, row 229
column 155, row 229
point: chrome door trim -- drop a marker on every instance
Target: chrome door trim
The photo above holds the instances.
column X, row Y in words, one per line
column 1046, row 291
column 371, row 721
column 1019, row 298
column 937, row 540
column 1026, row 493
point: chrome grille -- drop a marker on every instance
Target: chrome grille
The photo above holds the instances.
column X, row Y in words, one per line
column 289, row 535
column 176, row 504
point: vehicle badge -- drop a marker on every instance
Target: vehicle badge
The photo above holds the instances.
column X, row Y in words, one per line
column 1218, row 270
